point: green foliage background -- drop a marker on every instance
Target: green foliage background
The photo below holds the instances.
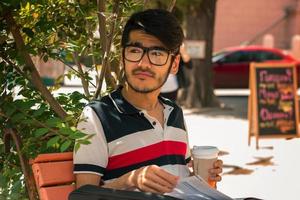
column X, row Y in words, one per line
column 57, row 29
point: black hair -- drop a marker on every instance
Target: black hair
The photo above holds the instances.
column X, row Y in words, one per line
column 156, row 22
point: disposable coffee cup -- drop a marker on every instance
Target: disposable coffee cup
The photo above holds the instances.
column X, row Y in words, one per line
column 203, row 158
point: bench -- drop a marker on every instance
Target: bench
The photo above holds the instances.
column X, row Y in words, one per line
column 54, row 180
column 53, row 174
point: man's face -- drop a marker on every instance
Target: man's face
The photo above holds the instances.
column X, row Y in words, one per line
column 144, row 76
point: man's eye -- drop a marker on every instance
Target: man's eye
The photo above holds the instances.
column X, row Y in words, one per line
column 157, row 53
column 135, row 50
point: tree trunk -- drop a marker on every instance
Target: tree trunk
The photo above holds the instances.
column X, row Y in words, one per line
column 35, row 77
column 11, row 134
column 200, row 26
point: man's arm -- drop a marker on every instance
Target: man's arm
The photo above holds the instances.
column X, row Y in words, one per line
column 148, row 179
column 87, row 179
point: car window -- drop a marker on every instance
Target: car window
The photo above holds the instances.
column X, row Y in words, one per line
column 238, row 57
column 219, row 56
column 260, row 56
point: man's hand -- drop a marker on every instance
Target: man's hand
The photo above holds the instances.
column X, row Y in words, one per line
column 214, row 173
column 153, row 179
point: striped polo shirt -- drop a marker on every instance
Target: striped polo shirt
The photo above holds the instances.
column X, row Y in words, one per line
column 126, row 138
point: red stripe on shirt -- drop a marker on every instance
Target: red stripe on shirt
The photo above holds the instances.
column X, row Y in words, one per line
column 147, row 153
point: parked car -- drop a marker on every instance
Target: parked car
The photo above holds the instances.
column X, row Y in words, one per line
column 231, row 65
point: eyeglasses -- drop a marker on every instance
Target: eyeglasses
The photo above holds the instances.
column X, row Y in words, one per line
column 156, row 55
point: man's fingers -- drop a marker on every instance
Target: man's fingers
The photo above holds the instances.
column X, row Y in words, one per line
column 218, row 163
column 155, row 178
column 157, row 186
column 145, row 188
column 215, row 178
column 161, row 181
column 216, row 171
column 155, row 183
column 170, row 178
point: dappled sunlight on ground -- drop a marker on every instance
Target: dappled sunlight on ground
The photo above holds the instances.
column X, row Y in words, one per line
column 270, row 172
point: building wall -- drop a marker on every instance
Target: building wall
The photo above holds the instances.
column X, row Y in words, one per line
column 238, row 21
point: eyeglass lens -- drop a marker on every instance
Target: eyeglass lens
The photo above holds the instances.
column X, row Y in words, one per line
column 156, row 56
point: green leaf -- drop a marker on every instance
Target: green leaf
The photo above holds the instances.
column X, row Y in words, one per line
column 41, row 131
column 10, row 110
column 77, row 146
column 53, row 122
column 90, row 136
column 17, row 186
column 18, row 117
column 38, row 112
column 77, row 135
column 83, row 141
column 65, row 145
column 65, row 131
column 2, row 180
column 28, row 32
column 24, row 105
column 45, row 58
column 53, row 141
column 28, row 121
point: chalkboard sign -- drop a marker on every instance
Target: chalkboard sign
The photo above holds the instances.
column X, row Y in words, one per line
column 273, row 105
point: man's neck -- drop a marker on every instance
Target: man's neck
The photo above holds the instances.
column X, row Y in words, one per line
column 146, row 101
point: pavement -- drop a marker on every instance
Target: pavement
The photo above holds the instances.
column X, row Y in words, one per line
column 270, row 172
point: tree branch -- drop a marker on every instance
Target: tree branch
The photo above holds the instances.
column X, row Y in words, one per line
column 35, row 77
column 107, row 48
column 7, row 60
column 101, row 30
column 84, row 82
column 73, row 69
column 91, row 42
column 172, row 5
column 145, row 4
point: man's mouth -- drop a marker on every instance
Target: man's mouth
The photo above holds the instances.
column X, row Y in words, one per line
column 143, row 74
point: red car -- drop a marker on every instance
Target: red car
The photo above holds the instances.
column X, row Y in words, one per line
column 231, row 66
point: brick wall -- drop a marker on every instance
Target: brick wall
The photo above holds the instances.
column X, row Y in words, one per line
column 238, row 21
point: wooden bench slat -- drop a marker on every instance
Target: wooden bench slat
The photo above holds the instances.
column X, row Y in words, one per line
column 53, row 173
column 52, row 157
column 57, row 192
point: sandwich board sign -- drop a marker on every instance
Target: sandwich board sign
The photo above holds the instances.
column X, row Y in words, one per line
column 273, row 104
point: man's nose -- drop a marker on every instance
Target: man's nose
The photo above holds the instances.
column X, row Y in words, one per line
column 144, row 62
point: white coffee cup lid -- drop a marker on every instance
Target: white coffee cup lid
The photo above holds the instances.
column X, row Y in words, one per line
column 206, row 152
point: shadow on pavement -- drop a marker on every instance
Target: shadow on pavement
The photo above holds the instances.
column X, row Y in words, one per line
column 232, row 107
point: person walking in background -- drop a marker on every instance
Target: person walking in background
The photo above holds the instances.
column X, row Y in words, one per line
column 179, row 81
column 183, row 73
column 170, row 88
column 140, row 139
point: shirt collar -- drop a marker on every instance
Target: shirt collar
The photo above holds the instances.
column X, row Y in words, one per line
column 123, row 106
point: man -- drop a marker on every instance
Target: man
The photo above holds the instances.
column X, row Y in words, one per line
column 140, row 138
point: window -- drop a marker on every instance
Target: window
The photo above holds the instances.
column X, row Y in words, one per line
column 260, row 56
column 238, row 57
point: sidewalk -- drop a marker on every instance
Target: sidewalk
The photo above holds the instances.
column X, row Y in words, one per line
column 270, row 173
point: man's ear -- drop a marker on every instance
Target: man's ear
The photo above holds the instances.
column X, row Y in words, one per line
column 175, row 65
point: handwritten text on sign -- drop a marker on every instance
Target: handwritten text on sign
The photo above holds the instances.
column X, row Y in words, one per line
column 275, row 100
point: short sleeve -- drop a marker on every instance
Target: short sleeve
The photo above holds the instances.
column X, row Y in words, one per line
column 91, row 158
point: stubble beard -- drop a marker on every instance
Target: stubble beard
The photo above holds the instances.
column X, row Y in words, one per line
column 148, row 89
